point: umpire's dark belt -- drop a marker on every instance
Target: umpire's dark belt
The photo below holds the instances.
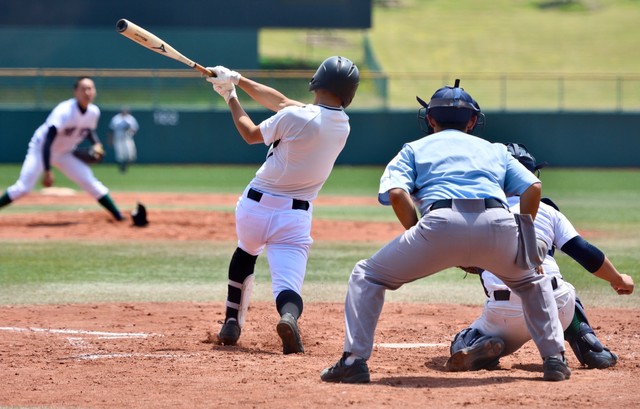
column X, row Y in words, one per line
column 296, row 204
column 504, row 295
column 489, row 203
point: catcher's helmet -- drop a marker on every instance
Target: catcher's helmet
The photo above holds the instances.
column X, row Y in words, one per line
column 338, row 75
column 450, row 105
column 520, row 152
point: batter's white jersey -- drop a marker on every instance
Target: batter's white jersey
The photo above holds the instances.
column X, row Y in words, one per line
column 305, row 143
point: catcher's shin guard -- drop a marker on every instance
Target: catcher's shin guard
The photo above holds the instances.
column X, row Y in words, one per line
column 471, row 351
column 241, row 279
column 584, row 343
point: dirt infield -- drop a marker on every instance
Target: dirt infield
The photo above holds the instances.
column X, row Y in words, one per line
column 158, row 355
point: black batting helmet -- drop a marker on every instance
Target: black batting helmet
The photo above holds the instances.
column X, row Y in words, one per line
column 520, row 152
column 338, row 75
column 450, row 106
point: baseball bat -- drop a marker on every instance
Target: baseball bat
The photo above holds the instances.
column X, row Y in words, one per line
column 154, row 43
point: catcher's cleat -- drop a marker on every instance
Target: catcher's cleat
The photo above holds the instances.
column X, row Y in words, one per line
column 229, row 333
column 358, row 372
column 556, row 369
column 481, row 355
column 600, row 360
column 288, row 331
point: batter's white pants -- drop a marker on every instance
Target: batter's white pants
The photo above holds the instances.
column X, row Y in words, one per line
column 505, row 319
column 466, row 235
column 283, row 231
column 73, row 168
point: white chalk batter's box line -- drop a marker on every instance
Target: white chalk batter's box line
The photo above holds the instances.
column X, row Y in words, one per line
column 98, row 334
column 80, row 342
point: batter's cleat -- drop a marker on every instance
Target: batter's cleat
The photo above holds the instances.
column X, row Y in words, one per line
column 229, row 333
column 600, row 360
column 555, row 369
column 482, row 355
column 358, row 372
column 288, row 331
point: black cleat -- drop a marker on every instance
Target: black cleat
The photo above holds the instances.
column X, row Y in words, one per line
column 556, row 369
column 229, row 333
column 483, row 355
column 358, row 372
column 288, row 331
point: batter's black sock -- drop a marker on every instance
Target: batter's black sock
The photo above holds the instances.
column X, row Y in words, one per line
column 5, row 199
column 242, row 265
column 288, row 301
column 108, row 204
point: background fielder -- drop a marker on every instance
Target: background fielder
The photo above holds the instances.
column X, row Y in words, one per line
column 123, row 127
column 501, row 329
column 274, row 212
column 55, row 143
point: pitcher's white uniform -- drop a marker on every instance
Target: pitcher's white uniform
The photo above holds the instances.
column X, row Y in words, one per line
column 73, row 126
column 305, row 143
column 502, row 315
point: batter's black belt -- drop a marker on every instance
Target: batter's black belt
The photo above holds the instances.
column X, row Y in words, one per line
column 296, row 204
column 489, row 203
column 504, row 295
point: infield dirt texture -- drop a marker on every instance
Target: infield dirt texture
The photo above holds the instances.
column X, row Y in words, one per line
column 159, row 355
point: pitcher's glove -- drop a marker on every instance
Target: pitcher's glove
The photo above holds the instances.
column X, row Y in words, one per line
column 93, row 154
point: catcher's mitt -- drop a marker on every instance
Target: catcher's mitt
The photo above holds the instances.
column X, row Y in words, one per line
column 93, row 154
column 139, row 216
column 472, row 270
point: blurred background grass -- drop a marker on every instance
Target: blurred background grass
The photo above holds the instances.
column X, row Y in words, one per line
column 52, row 271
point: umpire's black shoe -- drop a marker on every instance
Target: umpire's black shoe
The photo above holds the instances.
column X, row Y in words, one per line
column 556, row 369
column 482, row 355
column 288, row 331
column 358, row 372
column 229, row 333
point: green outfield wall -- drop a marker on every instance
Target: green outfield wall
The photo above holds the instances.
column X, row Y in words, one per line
column 564, row 139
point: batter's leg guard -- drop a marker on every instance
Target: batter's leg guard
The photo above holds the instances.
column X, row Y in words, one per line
column 5, row 199
column 108, row 204
column 471, row 351
column 289, row 305
column 240, row 285
column 584, row 343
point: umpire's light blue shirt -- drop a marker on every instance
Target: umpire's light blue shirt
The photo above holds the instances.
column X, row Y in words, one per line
column 454, row 165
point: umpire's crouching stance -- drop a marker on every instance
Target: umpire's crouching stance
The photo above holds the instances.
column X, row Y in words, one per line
column 458, row 183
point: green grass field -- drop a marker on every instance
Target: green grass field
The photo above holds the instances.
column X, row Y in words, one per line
column 602, row 203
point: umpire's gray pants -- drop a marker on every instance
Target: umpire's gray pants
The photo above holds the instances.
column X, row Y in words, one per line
column 466, row 235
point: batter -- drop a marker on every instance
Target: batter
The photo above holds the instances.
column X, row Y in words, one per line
column 53, row 144
column 275, row 210
column 458, row 184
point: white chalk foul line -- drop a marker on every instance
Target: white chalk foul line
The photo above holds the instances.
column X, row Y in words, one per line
column 410, row 345
column 99, row 334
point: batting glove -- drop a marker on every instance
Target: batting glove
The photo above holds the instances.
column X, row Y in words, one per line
column 226, row 90
column 223, row 74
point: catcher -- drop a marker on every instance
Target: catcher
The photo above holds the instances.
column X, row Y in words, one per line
column 501, row 329
column 55, row 144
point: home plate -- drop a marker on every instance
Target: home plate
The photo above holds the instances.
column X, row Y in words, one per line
column 410, row 345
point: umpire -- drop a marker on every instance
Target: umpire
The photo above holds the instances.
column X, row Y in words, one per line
column 458, row 183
